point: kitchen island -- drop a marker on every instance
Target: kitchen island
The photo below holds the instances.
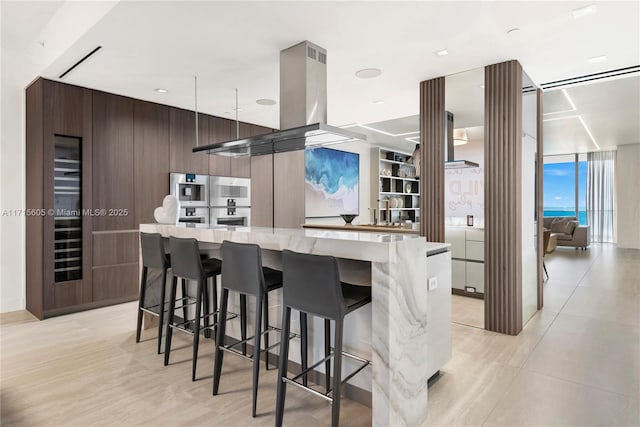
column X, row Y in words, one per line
column 406, row 331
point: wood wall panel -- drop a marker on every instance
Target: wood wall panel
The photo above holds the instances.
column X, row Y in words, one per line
column 432, row 151
column 219, row 131
column 118, row 281
column 503, row 197
column 539, row 201
column 288, row 189
column 151, row 158
column 64, row 108
column 115, row 248
column 34, row 198
column 113, row 161
column 262, row 191
column 182, row 140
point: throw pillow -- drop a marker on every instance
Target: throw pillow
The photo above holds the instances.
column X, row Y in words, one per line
column 569, row 227
column 558, row 225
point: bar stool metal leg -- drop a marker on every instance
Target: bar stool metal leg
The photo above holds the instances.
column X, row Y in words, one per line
column 184, row 300
column 161, row 309
column 266, row 328
column 337, row 374
column 282, row 365
column 256, row 353
column 217, row 365
column 172, row 306
column 196, row 328
column 143, row 288
column 243, row 322
column 303, row 346
column 327, row 351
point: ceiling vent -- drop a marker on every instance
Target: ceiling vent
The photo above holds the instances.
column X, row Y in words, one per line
column 84, row 58
column 611, row 74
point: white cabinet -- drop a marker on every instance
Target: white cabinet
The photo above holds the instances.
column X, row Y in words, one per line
column 467, row 252
column 475, row 275
column 474, row 250
column 458, row 274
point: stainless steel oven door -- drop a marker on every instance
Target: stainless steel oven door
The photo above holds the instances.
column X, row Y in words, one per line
column 189, row 215
column 239, row 217
column 229, row 191
column 190, row 189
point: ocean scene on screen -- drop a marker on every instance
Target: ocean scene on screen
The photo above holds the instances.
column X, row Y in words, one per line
column 331, row 182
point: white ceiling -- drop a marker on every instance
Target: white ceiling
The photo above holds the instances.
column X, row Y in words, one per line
column 609, row 110
column 147, row 45
column 236, row 44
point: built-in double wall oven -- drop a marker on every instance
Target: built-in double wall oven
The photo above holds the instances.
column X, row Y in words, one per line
column 230, row 201
column 192, row 190
column 217, row 200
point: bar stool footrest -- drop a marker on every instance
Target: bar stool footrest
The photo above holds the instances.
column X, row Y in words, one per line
column 328, row 394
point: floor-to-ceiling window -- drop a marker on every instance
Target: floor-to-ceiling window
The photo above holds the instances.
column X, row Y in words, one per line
column 565, row 186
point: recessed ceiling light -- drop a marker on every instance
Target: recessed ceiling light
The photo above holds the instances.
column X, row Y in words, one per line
column 266, row 101
column 442, row 52
column 597, row 59
column 237, row 109
column 513, row 30
column 161, row 90
column 368, row 73
column 481, row 86
column 378, row 102
column 584, row 11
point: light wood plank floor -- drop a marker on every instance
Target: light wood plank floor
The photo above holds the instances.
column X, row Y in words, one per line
column 576, row 363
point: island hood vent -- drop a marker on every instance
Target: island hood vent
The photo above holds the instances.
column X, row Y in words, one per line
column 303, row 109
column 450, row 162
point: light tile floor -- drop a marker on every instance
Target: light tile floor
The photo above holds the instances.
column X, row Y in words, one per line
column 576, row 363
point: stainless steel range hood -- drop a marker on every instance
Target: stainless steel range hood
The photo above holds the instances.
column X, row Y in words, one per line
column 303, row 109
column 450, row 162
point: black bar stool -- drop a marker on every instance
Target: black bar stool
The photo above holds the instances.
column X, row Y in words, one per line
column 153, row 256
column 188, row 265
column 242, row 272
column 312, row 285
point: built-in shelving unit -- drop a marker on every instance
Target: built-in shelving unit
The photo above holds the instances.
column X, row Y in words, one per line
column 395, row 175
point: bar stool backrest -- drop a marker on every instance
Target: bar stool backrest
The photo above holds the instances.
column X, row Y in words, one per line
column 185, row 258
column 153, row 254
column 242, row 268
column 311, row 283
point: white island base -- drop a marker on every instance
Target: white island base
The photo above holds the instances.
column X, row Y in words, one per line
column 405, row 332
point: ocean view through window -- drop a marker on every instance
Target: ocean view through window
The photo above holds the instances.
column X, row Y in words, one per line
column 565, row 187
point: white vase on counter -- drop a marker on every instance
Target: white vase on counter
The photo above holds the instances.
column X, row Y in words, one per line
column 169, row 212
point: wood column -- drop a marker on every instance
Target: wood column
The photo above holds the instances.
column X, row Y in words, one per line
column 539, row 196
column 503, row 197
column 432, row 147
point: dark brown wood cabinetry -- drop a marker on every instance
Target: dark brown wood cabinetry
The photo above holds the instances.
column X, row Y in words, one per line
column 151, row 158
column 113, row 162
column 124, row 151
column 58, row 112
column 182, row 139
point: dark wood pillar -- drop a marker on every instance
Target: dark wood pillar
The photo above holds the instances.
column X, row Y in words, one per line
column 503, row 197
column 432, row 147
